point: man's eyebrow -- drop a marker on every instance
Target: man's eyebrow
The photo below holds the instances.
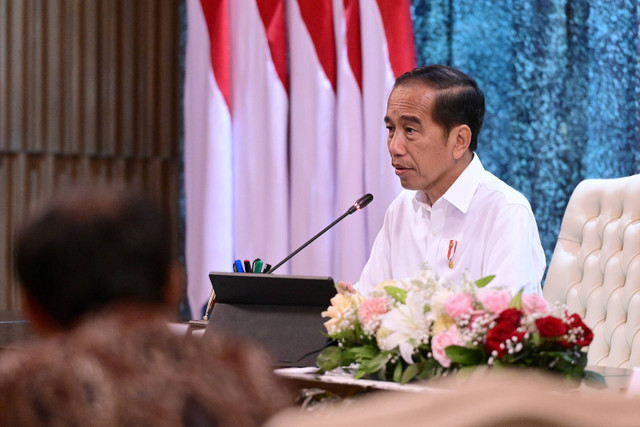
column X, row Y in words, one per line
column 411, row 119
column 406, row 118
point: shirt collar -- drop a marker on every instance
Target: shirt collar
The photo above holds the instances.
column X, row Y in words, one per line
column 420, row 200
column 462, row 190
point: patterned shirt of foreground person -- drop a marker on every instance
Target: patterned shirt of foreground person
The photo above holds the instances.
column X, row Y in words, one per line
column 117, row 369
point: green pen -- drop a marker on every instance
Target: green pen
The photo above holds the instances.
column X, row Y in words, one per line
column 257, row 268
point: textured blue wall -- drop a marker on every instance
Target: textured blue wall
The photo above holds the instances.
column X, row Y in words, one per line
column 562, row 87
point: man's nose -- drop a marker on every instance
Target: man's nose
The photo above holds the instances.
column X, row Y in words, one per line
column 396, row 145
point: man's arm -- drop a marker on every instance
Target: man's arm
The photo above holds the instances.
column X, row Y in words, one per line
column 514, row 252
column 378, row 267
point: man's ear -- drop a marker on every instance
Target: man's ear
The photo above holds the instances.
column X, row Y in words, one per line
column 175, row 286
column 461, row 136
column 42, row 323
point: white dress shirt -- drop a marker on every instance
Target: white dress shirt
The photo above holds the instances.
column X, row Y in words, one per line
column 490, row 224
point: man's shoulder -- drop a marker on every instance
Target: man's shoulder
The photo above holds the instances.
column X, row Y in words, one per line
column 493, row 190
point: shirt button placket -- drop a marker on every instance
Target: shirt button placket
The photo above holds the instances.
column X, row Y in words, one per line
column 437, row 219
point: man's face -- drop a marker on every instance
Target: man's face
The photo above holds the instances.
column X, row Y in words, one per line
column 420, row 152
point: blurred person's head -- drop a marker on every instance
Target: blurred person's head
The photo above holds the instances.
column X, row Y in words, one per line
column 88, row 249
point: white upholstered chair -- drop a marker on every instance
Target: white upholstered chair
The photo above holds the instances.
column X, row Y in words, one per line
column 595, row 268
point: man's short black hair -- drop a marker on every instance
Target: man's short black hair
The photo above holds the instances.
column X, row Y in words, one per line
column 458, row 100
column 87, row 250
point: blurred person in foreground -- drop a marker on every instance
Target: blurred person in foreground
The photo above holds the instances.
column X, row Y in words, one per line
column 101, row 281
column 482, row 397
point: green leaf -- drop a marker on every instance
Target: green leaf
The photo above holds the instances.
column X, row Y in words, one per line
column 594, row 380
column 348, row 357
column 464, row 356
column 375, row 364
column 409, row 373
column 396, row 293
column 329, row 358
column 516, row 301
column 348, row 336
column 428, row 368
column 364, row 353
column 536, row 339
column 561, row 361
column 397, row 372
column 481, row 283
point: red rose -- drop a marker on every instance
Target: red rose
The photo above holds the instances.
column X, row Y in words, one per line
column 497, row 336
column 584, row 335
column 551, row 326
column 510, row 317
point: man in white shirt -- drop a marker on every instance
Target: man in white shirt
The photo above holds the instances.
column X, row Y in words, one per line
column 453, row 215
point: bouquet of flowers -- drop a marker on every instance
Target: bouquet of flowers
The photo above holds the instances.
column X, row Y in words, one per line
column 424, row 327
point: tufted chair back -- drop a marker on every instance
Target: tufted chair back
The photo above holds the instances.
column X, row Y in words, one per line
column 595, row 268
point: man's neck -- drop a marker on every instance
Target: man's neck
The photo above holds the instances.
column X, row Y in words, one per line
column 433, row 194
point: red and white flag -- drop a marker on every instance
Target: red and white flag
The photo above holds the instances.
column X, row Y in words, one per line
column 236, row 108
column 312, row 63
column 388, row 50
column 351, row 242
column 207, row 148
column 284, row 107
column 260, row 120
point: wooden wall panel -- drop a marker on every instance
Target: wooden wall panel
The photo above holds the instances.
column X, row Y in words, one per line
column 89, row 100
column 167, row 88
column 15, row 75
column 54, row 76
column 4, row 71
column 34, row 67
column 72, row 117
column 88, row 95
column 127, row 118
column 5, row 230
column 108, row 64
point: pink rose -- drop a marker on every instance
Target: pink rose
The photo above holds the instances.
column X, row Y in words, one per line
column 458, row 304
column 369, row 313
column 534, row 303
column 440, row 342
column 494, row 300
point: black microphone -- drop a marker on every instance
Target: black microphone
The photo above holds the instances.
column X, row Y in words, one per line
column 359, row 204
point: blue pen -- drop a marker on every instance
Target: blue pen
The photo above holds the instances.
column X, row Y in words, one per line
column 238, row 265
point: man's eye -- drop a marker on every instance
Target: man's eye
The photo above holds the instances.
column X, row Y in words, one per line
column 390, row 128
column 409, row 130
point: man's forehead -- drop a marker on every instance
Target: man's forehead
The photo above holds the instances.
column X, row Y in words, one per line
column 415, row 86
column 410, row 102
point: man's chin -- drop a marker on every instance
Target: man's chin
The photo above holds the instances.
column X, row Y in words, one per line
column 407, row 185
